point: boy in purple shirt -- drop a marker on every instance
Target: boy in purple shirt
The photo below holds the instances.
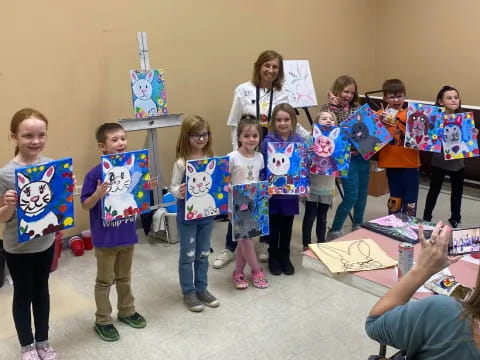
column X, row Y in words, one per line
column 114, row 242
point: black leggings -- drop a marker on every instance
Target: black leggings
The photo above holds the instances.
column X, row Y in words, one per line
column 314, row 210
column 30, row 274
column 280, row 235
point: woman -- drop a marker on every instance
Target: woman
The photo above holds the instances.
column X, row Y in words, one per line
column 438, row 327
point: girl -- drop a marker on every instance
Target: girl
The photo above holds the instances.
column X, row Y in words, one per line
column 282, row 208
column 449, row 98
column 245, row 166
column 195, row 142
column 29, row 262
column 321, row 193
column 343, row 101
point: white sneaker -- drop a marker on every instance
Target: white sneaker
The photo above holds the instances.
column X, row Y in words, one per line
column 223, row 259
column 263, row 252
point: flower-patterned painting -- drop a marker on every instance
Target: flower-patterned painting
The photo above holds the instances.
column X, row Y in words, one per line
column 367, row 133
column 207, row 187
column 423, row 130
column 250, row 210
column 287, row 168
column 129, row 179
column 331, row 151
column 148, row 93
column 45, row 198
column 459, row 136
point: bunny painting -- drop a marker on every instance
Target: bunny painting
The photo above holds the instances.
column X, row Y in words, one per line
column 459, row 136
column 331, row 151
column 128, row 176
column 45, row 198
column 423, row 127
column 287, row 168
column 148, row 93
column 207, row 187
column 299, row 83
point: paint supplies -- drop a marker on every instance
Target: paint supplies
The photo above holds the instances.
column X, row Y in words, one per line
column 76, row 244
column 447, row 285
column 87, row 240
column 405, row 258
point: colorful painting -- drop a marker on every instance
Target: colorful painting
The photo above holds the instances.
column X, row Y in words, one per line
column 250, row 210
column 148, row 93
column 299, row 83
column 459, row 136
column 423, row 129
column 129, row 179
column 207, row 187
column 367, row 133
column 331, row 151
column 45, row 198
column 287, row 168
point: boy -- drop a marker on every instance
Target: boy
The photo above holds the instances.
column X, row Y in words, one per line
column 113, row 243
column 401, row 163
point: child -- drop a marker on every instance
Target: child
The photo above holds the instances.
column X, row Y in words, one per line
column 321, row 193
column 114, row 243
column 195, row 142
column 245, row 166
column 401, row 163
column 449, row 98
column 343, row 101
column 282, row 208
column 29, row 262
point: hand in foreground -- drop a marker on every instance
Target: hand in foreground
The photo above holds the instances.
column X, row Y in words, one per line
column 102, row 189
column 333, row 100
column 182, row 190
column 10, row 198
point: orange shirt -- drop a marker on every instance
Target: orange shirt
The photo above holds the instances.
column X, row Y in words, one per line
column 395, row 155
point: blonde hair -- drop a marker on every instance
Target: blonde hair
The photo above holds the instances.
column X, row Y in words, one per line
column 341, row 83
column 286, row 108
column 317, row 117
column 24, row 114
column 192, row 125
column 268, row 55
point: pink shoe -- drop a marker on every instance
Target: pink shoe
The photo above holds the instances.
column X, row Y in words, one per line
column 46, row 353
column 30, row 353
column 259, row 281
column 239, row 280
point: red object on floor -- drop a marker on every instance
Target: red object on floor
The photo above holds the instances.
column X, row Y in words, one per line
column 76, row 244
column 475, row 255
column 57, row 250
column 87, row 240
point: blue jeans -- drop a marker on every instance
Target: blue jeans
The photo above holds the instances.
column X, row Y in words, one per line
column 355, row 192
column 194, row 250
column 403, row 184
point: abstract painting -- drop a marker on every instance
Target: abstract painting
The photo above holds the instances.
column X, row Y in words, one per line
column 459, row 136
column 148, row 93
column 367, row 133
column 299, row 83
column 423, row 130
column 45, row 198
column 250, row 210
column 287, row 168
column 331, row 151
column 207, row 187
column 129, row 179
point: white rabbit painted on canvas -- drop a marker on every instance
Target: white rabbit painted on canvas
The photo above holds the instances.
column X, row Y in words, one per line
column 143, row 89
column 279, row 163
column 198, row 186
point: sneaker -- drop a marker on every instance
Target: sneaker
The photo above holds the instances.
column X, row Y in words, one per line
column 356, row 227
column 263, row 252
column 46, row 352
column 332, row 235
column 136, row 320
column 223, row 259
column 107, row 332
column 239, row 280
column 192, row 302
column 454, row 223
column 29, row 353
column 259, row 281
column 208, row 299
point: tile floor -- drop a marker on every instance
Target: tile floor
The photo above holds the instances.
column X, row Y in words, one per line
column 305, row 316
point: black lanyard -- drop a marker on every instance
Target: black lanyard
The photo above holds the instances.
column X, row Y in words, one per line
column 269, row 115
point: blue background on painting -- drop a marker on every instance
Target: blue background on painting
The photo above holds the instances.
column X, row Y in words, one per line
column 342, row 148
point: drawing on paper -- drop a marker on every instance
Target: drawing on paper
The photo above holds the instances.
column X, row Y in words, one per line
column 367, row 133
column 287, row 168
column 423, row 128
column 459, row 137
column 148, row 93
column 352, row 255
column 250, row 210
column 207, row 187
column 129, row 179
column 299, row 83
column 45, row 198
column 331, row 151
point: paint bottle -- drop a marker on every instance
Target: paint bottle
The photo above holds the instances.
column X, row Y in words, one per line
column 405, row 258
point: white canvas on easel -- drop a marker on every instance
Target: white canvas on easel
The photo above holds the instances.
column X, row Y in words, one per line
column 299, row 84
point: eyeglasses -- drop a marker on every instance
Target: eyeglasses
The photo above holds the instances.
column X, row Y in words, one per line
column 197, row 137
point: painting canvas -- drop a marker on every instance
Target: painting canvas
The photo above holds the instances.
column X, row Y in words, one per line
column 45, row 198
column 299, row 83
column 367, row 133
column 400, row 226
column 207, row 187
column 331, row 151
column 129, row 179
column 423, row 129
column 287, row 168
column 148, row 93
column 459, row 136
column 250, row 210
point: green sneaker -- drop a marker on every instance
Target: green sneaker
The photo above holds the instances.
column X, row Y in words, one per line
column 107, row 332
column 136, row 321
